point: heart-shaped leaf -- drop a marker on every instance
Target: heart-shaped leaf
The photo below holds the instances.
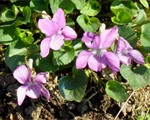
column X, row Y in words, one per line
column 140, row 18
column 27, row 14
column 38, row 5
column 128, row 34
column 116, row 91
column 137, row 78
column 91, row 8
column 124, row 11
column 78, row 46
column 79, row 3
column 63, row 56
column 124, row 6
column 15, row 54
column 7, row 15
column 67, row 6
column 122, row 18
column 54, row 4
column 46, row 64
column 145, row 36
column 88, row 24
column 73, row 88
column 9, row 34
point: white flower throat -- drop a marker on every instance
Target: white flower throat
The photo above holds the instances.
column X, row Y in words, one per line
column 59, row 32
column 99, row 52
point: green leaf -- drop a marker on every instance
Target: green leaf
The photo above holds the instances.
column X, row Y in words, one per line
column 15, row 10
column 70, row 22
column 54, row 5
column 129, row 34
column 122, row 18
column 7, row 15
column 144, row 3
column 137, row 78
column 88, row 24
column 8, row 34
column 27, row 14
column 91, row 8
column 67, row 43
column 15, row 54
column 67, row 6
column 63, row 56
column 73, row 89
column 145, row 36
column 116, row 91
column 2, row 8
column 38, row 5
column 78, row 46
column 29, row 40
column 124, row 6
column 79, row 3
column 12, row 1
column 22, row 37
column 124, row 11
column 140, row 18
column 46, row 64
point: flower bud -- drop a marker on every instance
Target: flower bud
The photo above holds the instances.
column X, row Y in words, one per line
column 102, row 28
column 45, row 15
column 30, row 63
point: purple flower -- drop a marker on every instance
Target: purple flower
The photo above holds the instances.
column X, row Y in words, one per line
column 55, row 30
column 126, row 53
column 32, row 85
column 98, row 58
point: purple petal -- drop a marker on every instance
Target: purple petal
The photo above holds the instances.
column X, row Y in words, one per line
column 48, row 27
column 137, row 56
column 21, row 93
column 33, row 91
column 123, row 45
column 108, row 37
column 44, row 46
column 88, row 38
column 22, row 74
column 96, row 42
column 44, row 91
column 125, row 59
column 59, row 17
column 112, row 61
column 82, row 59
column 69, row 33
column 96, row 63
column 41, row 77
column 56, row 42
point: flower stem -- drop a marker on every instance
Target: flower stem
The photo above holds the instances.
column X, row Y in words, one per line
column 139, row 25
column 28, row 54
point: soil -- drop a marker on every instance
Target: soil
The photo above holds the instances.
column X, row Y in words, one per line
column 96, row 105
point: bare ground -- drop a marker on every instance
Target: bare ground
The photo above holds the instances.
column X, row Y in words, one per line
column 96, row 105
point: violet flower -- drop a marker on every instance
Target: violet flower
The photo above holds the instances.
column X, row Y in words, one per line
column 32, row 84
column 126, row 53
column 98, row 58
column 56, row 31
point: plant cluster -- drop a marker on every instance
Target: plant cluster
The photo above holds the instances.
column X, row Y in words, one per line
column 69, row 34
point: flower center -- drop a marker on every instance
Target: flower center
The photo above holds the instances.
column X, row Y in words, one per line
column 125, row 52
column 59, row 32
column 99, row 52
column 32, row 83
